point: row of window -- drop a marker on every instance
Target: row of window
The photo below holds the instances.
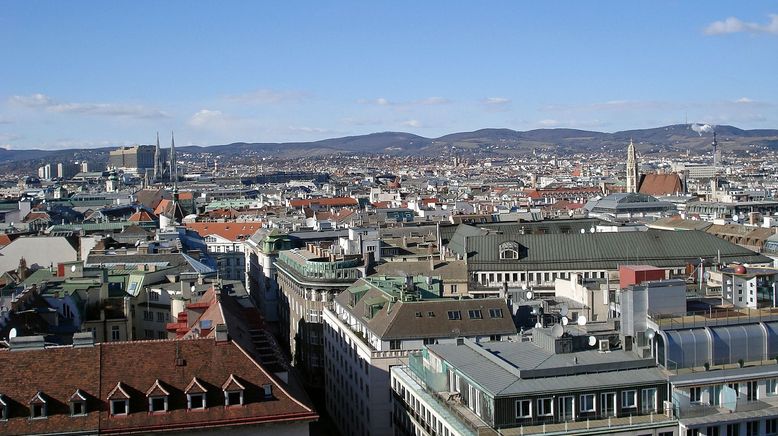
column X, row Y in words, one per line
column 456, row 315
column 565, row 407
column 752, row 428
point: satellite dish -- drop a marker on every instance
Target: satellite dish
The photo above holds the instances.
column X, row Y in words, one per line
column 193, row 288
column 735, row 218
column 72, row 268
column 706, row 275
column 563, row 310
column 12, row 334
column 581, row 320
column 592, row 341
column 524, row 287
column 583, row 231
column 592, row 229
column 538, row 325
column 565, row 320
column 557, row 331
column 650, row 333
column 534, row 310
column 529, row 295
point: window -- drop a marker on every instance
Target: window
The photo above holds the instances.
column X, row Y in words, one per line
column 714, row 395
column 115, row 336
column 395, row 344
column 751, row 391
column 148, row 315
column 153, row 296
column 158, row 404
column 752, row 428
column 454, row 315
column 454, row 289
column 695, row 394
column 545, row 406
column 431, row 314
column 78, row 404
column 735, row 387
column 148, row 334
column 648, row 400
column 195, row 401
column 587, row 403
column 628, row 399
column 772, row 386
column 474, row 314
column 119, row 407
column 418, row 314
column 733, row 429
column 524, row 409
column 160, row 317
column 712, row 431
column 771, row 426
column 267, row 391
column 38, row 406
column 495, row 313
column 233, row 398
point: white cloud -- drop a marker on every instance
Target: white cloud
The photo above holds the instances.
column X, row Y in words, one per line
column 206, row 118
column 306, row 129
column 412, row 123
column 269, row 96
column 44, row 102
column 548, row 123
column 496, row 101
column 736, row 25
column 427, row 101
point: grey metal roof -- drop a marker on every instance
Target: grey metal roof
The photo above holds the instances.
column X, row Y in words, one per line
column 496, row 367
column 594, row 250
column 719, row 376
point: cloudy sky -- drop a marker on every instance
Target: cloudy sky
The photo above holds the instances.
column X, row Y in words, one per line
column 89, row 74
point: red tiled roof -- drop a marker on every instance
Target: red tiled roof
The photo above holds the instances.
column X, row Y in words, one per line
column 661, row 184
column 325, row 202
column 231, row 231
column 135, row 367
column 141, row 216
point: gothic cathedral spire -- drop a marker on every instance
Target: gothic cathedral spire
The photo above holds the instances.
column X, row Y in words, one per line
column 632, row 168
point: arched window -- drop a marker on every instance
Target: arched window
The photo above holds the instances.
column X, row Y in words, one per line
column 509, row 250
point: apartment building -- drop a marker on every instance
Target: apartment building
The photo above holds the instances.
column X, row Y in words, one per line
column 375, row 324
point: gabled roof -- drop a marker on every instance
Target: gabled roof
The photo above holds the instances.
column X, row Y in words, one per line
column 195, row 387
column 38, row 398
column 661, row 184
column 230, row 231
column 232, row 384
column 157, row 390
column 118, row 393
column 78, row 395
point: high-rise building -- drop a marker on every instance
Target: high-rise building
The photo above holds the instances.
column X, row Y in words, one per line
column 632, row 168
column 132, row 159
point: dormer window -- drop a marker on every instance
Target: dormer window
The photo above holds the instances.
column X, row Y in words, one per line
column 3, row 409
column 38, row 406
column 120, row 400
column 157, row 396
column 509, row 250
column 267, row 391
column 233, row 392
column 78, row 403
column 195, row 395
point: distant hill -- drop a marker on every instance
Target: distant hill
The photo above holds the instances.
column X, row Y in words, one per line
column 673, row 138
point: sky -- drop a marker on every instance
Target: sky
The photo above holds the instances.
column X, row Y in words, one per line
column 81, row 74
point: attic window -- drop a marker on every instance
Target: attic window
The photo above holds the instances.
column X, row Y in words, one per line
column 78, row 404
column 495, row 313
column 267, row 391
column 431, row 314
column 195, row 395
column 418, row 314
column 509, row 250
column 119, row 407
column 38, row 406
column 233, row 392
column 157, row 396
column 454, row 315
column 475, row 314
column 120, row 400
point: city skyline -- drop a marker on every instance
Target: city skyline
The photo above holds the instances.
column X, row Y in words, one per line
column 92, row 75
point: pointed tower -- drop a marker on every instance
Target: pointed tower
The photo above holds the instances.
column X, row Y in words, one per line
column 173, row 168
column 632, row 168
column 157, row 161
column 716, row 152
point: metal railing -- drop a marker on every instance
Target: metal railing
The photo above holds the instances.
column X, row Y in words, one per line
column 714, row 317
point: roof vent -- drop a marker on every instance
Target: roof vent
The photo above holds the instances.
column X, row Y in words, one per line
column 83, row 339
column 27, row 343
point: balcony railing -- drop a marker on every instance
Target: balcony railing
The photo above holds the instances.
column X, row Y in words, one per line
column 714, row 317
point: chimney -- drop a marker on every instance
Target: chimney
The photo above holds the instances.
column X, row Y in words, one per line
column 83, row 339
column 221, row 333
column 27, row 343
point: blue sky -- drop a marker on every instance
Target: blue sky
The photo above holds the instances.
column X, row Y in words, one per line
column 89, row 74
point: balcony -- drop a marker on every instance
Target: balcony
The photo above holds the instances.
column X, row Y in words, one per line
column 715, row 316
column 703, row 413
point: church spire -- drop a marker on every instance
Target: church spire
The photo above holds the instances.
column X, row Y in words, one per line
column 632, row 168
column 173, row 166
column 157, row 161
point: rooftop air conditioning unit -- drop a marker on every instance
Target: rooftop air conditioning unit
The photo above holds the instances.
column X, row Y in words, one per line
column 604, row 345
